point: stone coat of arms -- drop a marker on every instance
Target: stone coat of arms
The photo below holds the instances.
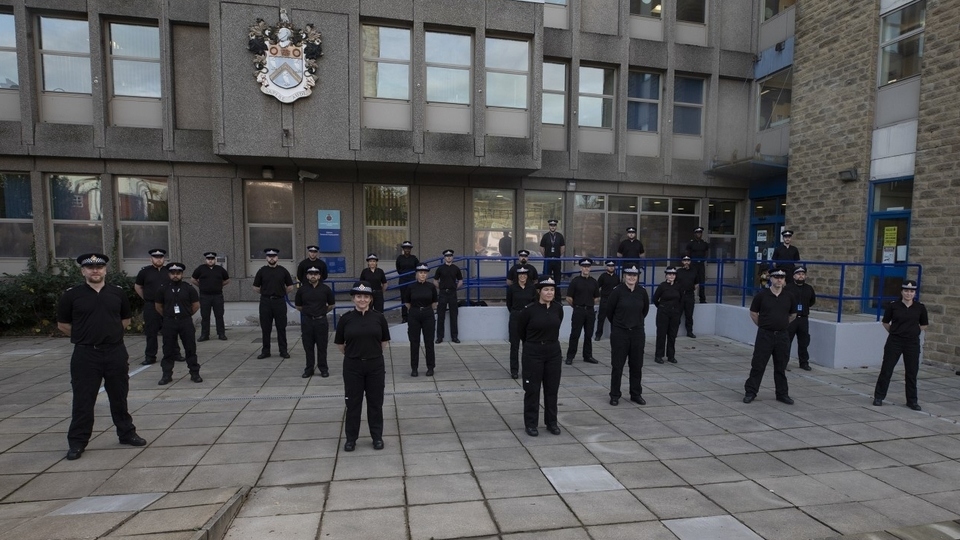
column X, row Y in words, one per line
column 286, row 58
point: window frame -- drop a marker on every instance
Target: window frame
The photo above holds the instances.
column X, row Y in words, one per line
column 42, row 52
column 706, row 12
column 612, row 98
column 788, row 73
column 111, row 58
column 656, row 102
column 553, row 92
column 690, row 105
column 658, row 16
column 254, row 256
column 493, row 233
column 364, row 60
column 15, row 220
column 883, row 44
column 404, row 229
column 505, row 71
column 54, row 221
column 125, row 223
column 12, row 49
column 732, row 238
column 442, row 65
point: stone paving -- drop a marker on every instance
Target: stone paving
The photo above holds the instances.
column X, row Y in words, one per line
column 255, row 451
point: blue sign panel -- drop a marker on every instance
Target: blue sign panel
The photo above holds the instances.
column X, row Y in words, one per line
column 328, row 231
column 336, row 265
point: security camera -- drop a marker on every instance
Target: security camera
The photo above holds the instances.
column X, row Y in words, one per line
column 307, row 175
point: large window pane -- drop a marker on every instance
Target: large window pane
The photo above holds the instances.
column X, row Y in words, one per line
column 538, row 208
column 269, row 202
column 137, row 79
column 587, row 238
column 507, row 54
column 646, row 8
column 553, row 109
column 135, row 41
column 654, row 232
column 16, row 201
column 893, row 196
column 66, row 74
column 596, row 81
column 386, row 81
column 903, row 21
column 722, row 218
column 143, row 199
column 643, row 116
column 901, row 59
column 65, row 35
column 493, row 218
column 776, row 96
column 687, row 90
column 686, row 120
column 262, row 238
column 617, row 232
column 692, row 11
column 386, row 42
column 76, row 197
column 775, row 7
column 8, row 37
column 555, row 77
column 136, row 240
column 385, row 242
column 386, row 218
column 16, row 239
column 9, row 78
column 681, row 231
column 448, row 85
column 452, row 49
column 554, row 93
column 643, row 85
column 386, row 62
column 506, row 90
column 74, row 239
column 596, row 112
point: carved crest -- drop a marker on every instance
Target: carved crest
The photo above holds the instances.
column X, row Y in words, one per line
column 286, row 57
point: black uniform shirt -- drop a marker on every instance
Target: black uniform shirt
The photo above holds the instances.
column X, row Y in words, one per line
column 211, row 278
column 314, row 301
column 537, row 322
column 774, row 310
column 630, row 248
column 805, row 296
column 905, row 321
column 532, row 275
column 447, row 276
column 151, row 278
column 668, row 296
column 405, row 264
column 583, row 290
column 626, row 308
column 551, row 244
column 306, row 264
column 686, row 279
column 518, row 297
column 361, row 333
column 374, row 277
column 607, row 282
column 784, row 253
column 96, row 318
column 419, row 295
column 179, row 294
column 697, row 248
column 273, row 280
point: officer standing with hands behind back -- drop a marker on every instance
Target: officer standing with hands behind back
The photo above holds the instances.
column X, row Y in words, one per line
column 448, row 279
column 177, row 302
column 148, row 282
column 800, row 327
column 211, row 278
column 553, row 246
column 272, row 283
column 582, row 295
column 687, row 281
column 313, row 260
column 631, row 249
column 607, row 281
column 697, row 250
column 406, row 267
column 314, row 300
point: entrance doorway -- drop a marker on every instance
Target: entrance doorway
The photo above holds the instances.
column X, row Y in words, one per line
column 767, row 218
column 888, row 242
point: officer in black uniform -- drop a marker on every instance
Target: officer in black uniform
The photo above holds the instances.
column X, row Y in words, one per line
column 668, row 299
column 631, row 249
column 314, row 300
column 94, row 315
column 800, row 327
column 607, row 281
column 519, row 294
column 211, row 278
column 176, row 303
column 148, row 282
column 582, row 295
column 376, row 277
column 539, row 328
column 361, row 335
column 420, row 297
column 785, row 255
column 772, row 310
column 698, row 249
column 448, row 279
column 532, row 274
column 627, row 307
column 904, row 320
column 688, row 282
column 407, row 264
column 313, row 260
column 553, row 246
column 272, row 283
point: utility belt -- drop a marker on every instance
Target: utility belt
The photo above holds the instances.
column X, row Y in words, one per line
column 271, row 296
column 178, row 317
column 101, row 346
column 584, row 307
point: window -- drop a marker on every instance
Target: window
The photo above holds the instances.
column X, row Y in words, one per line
column 684, row 218
column 643, row 102
column 893, row 196
column 9, row 78
column 269, row 207
column 772, row 8
column 596, row 97
column 508, row 69
column 722, row 228
column 135, row 60
column 646, row 8
column 901, row 42
column 554, row 93
column 775, row 98
column 65, row 55
column 16, row 215
column 687, row 106
column 448, row 59
column 144, row 216
column 692, row 11
column 386, row 62
column 77, row 209
column 538, row 208
column 556, row 2
column 493, row 221
column 387, row 219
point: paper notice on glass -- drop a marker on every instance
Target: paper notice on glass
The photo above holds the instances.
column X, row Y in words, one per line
column 901, row 253
column 888, row 255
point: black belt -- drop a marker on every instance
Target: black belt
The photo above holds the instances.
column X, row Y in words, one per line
column 421, row 307
column 100, row 347
column 178, row 316
column 271, row 296
column 324, row 317
column 584, row 307
column 775, row 332
column 218, row 293
column 448, row 290
column 528, row 342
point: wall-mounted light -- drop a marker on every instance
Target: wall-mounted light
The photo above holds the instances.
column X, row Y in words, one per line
column 848, row 175
column 266, row 172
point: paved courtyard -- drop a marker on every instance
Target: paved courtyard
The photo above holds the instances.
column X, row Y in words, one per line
column 255, row 451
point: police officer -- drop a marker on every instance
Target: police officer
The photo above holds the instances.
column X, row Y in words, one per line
column 176, row 303
column 785, row 255
column 376, row 277
column 148, row 282
column 553, row 246
column 903, row 320
column 532, row 274
column 627, row 307
column 420, row 298
column 519, row 294
column 539, row 328
column 697, row 249
column 314, row 300
column 448, row 278
column 94, row 315
column 361, row 335
column 211, row 278
column 668, row 298
column 582, row 295
column 272, row 283
column 800, row 327
column 313, row 260
column 406, row 266
column 772, row 310
column 688, row 282
column 631, row 249
column 607, row 281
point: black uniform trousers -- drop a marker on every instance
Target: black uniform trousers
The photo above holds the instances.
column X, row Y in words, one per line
column 800, row 328
column 420, row 322
column 214, row 302
column 89, row 366
column 582, row 320
column 894, row 347
column 404, row 282
column 378, row 300
column 152, row 321
column 447, row 299
column 601, row 317
column 541, row 367
column 315, row 333
column 768, row 343
column 553, row 267
column 626, row 347
column 179, row 327
column 514, row 343
column 364, row 378
column 273, row 310
column 701, row 268
column 687, row 301
column 668, row 323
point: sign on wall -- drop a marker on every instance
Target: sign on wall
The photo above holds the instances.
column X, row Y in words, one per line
column 286, row 58
column 328, row 231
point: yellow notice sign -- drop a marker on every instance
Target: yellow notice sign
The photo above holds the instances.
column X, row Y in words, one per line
column 889, row 236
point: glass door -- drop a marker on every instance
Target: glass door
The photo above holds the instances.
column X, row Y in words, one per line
column 888, row 243
column 766, row 222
